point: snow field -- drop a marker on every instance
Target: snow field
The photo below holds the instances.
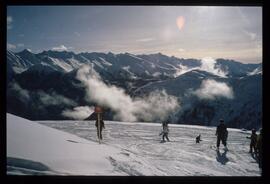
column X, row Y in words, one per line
column 127, row 149
column 62, row 153
column 140, row 142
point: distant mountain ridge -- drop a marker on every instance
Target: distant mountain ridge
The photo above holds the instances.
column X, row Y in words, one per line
column 29, row 76
column 139, row 65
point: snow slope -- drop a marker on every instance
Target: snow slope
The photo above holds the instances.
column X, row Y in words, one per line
column 37, row 149
column 180, row 157
column 127, row 149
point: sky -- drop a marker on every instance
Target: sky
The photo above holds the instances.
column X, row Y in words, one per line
column 180, row 31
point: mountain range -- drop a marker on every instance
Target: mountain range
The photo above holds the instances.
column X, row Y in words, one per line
column 41, row 86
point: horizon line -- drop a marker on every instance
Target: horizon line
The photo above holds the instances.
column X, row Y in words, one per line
column 99, row 52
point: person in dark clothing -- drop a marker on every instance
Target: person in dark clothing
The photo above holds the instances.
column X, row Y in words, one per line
column 165, row 124
column 259, row 148
column 253, row 141
column 198, row 139
column 222, row 134
column 165, row 131
column 99, row 133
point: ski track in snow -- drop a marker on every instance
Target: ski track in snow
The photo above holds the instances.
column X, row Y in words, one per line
column 140, row 144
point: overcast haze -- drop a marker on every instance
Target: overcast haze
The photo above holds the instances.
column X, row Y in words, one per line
column 181, row 31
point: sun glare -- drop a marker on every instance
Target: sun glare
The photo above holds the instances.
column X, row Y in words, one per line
column 180, row 21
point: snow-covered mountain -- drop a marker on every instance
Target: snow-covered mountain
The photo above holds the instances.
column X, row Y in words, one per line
column 41, row 86
column 128, row 149
column 122, row 65
column 243, row 110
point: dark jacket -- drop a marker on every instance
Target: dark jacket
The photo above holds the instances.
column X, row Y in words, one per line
column 259, row 142
column 222, row 131
column 198, row 139
column 165, row 127
column 101, row 121
column 253, row 138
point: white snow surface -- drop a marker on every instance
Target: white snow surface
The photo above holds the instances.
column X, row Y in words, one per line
column 134, row 56
column 127, row 149
column 63, row 153
column 98, row 64
column 105, row 62
column 62, row 64
column 74, row 63
column 256, row 71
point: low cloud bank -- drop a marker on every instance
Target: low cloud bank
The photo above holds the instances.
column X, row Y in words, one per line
column 23, row 93
column 208, row 64
column 60, row 48
column 55, row 99
column 79, row 113
column 155, row 106
column 211, row 89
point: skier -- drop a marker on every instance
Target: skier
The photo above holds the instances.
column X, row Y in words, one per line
column 259, row 148
column 99, row 133
column 222, row 134
column 198, row 139
column 100, row 126
column 165, row 131
column 253, row 141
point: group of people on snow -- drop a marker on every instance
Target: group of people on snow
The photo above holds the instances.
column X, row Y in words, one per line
column 255, row 140
column 221, row 133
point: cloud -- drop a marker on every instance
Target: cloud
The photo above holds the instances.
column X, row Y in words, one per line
column 79, row 113
column 211, row 89
column 60, row 48
column 55, row 99
column 209, row 64
column 11, row 46
column 181, row 50
column 9, row 21
column 153, row 107
column 252, row 36
column 156, row 106
column 20, row 45
column 23, row 93
column 145, row 40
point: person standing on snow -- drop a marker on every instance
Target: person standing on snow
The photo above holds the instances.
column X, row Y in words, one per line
column 165, row 131
column 198, row 139
column 99, row 133
column 222, row 134
column 99, row 121
column 259, row 148
column 253, row 141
